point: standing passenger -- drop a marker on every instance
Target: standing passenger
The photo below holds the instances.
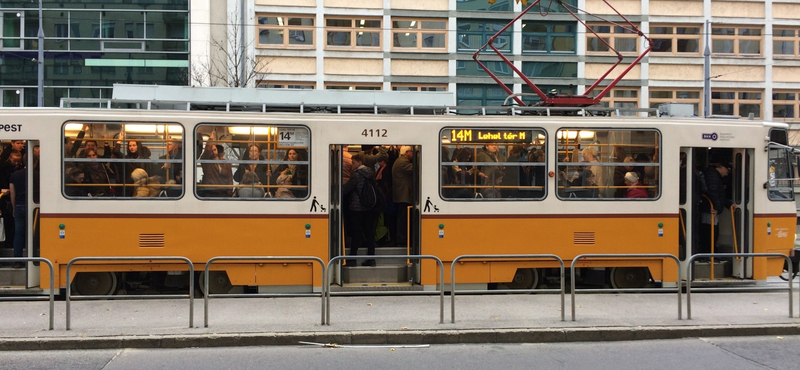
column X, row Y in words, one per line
column 715, row 191
column 360, row 222
column 173, row 172
column 18, row 187
column 220, row 174
column 11, row 165
column 402, row 184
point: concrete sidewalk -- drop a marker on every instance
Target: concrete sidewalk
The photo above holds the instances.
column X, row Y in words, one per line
column 393, row 320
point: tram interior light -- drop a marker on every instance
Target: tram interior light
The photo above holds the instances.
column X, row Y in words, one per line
column 73, row 128
column 247, row 130
column 152, row 129
column 571, row 135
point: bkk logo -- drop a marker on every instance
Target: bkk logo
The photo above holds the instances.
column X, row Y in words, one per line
column 712, row 136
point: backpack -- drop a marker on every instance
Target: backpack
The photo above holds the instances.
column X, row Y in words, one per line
column 369, row 196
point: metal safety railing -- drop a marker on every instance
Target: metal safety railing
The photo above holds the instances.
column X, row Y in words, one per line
column 147, row 259
column 408, row 257
column 502, row 256
column 695, row 257
column 208, row 295
column 627, row 256
column 37, row 298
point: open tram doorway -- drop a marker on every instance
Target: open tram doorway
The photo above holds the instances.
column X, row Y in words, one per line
column 21, row 166
column 731, row 230
column 393, row 225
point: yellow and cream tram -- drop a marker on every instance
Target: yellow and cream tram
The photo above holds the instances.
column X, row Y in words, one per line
column 550, row 185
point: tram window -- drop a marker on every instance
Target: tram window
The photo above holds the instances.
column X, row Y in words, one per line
column 780, row 180
column 492, row 164
column 252, row 162
column 608, row 164
column 105, row 160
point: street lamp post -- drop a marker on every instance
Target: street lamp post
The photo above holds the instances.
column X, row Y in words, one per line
column 40, row 60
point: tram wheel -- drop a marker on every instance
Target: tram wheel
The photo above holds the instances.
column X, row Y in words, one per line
column 523, row 279
column 629, row 277
column 95, row 283
column 218, row 282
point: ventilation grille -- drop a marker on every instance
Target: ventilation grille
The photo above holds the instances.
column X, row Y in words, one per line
column 151, row 240
column 583, row 238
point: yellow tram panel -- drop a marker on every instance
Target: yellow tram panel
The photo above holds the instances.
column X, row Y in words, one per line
column 566, row 237
column 772, row 234
column 190, row 237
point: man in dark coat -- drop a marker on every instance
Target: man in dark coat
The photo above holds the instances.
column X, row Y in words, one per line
column 715, row 191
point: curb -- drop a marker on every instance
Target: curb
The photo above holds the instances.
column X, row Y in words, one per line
column 382, row 337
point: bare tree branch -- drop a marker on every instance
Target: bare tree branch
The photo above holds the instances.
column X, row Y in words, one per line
column 230, row 62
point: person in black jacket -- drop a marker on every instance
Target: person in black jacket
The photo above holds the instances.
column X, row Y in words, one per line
column 715, row 204
column 359, row 223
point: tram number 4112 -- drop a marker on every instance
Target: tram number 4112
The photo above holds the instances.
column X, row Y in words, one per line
column 381, row 132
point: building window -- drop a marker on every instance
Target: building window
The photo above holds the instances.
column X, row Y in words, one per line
column 419, row 34
column 785, row 105
column 620, row 38
column 480, row 95
column 785, row 42
column 286, row 85
column 538, row 37
column 11, row 30
column 736, row 103
column 471, row 68
column 473, row 34
column 736, row 40
column 353, row 32
column 353, row 86
column 619, row 98
column 483, row 5
column 660, row 96
column 671, row 39
column 281, row 30
column 418, row 87
column 550, row 69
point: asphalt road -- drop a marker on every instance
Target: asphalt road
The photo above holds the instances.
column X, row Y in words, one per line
column 721, row 353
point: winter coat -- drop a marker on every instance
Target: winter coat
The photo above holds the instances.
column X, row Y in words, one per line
column 352, row 189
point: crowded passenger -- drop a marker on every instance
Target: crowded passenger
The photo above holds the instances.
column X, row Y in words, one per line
column 217, row 178
column 299, row 172
column 144, row 185
column 284, row 182
column 173, row 172
column 73, row 183
column 402, row 184
column 252, row 188
column 12, row 163
column 261, row 170
column 98, row 173
column 18, row 193
column 635, row 189
column 714, row 202
column 360, row 217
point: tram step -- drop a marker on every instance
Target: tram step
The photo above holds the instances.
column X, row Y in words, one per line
column 368, row 287
column 376, row 274
column 702, row 270
column 12, row 276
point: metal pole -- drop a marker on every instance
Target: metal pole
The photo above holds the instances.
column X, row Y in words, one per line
column 40, row 62
column 707, row 75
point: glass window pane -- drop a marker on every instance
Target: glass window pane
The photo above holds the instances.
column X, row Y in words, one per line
column 749, row 47
column 687, row 30
column 662, row 45
column 333, row 22
column 746, row 109
column 497, row 164
column 783, row 111
column 722, row 46
column 301, row 21
column 594, row 164
column 660, row 94
column 338, row 38
column 95, row 169
column 563, row 44
column 270, row 37
column 783, row 47
column 594, row 44
column 299, row 37
column 433, row 40
column 368, row 39
column 405, row 40
column 688, row 46
column 434, row 25
column 253, row 162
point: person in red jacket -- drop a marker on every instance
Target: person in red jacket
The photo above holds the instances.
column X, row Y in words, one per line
column 635, row 189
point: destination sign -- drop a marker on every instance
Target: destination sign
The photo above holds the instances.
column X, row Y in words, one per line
column 490, row 136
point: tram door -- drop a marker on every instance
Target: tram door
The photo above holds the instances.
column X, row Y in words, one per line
column 735, row 224
column 23, row 275
column 391, row 236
